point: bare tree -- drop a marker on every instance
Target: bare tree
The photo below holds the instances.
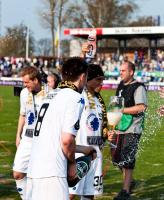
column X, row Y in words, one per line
column 74, row 15
column 61, row 5
column 51, row 15
column 143, row 21
column 44, row 47
column 104, row 13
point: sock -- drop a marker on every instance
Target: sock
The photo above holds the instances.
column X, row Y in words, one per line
column 21, row 187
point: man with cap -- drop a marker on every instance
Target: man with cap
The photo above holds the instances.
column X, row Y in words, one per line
column 92, row 132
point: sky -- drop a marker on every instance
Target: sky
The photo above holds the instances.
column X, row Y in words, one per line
column 14, row 12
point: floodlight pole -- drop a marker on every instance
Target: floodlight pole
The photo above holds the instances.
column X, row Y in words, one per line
column 58, row 49
column 27, row 43
column 0, row 17
column 59, row 27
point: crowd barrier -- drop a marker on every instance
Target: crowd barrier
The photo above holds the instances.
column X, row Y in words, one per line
column 107, row 84
column 10, row 81
column 155, row 74
column 151, row 86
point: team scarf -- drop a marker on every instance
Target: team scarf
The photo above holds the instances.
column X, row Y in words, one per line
column 104, row 113
column 67, row 84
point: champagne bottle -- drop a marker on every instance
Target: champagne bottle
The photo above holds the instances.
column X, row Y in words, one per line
column 91, row 44
column 83, row 165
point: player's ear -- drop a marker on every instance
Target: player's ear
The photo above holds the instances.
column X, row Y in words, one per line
column 131, row 72
column 35, row 80
column 82, row 76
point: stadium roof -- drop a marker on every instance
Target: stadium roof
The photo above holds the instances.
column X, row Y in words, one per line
column 152, row 32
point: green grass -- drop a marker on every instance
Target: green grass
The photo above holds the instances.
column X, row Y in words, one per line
column 149, row 171
column 8, row 123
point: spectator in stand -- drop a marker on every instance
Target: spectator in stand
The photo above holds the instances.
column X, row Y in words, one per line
column 135, row 57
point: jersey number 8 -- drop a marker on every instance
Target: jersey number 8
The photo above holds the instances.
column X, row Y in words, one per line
column 41, row 114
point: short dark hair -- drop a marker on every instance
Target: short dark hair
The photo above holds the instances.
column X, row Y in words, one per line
column 131, row 65
column 33, row 73
column 73, row 68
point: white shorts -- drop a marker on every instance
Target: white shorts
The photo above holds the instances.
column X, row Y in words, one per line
column 52, row 188
column 92, row 183
column 22, row 156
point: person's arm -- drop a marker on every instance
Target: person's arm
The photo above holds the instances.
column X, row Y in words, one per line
column 84, row 49
column 84, row 149
column 161, row 92
column 73, row 109
column 134, row 109
column 161, row 111
column 140, row 99
column 87, row 150
column 69, row 147
column 21, row 120
column 21, row 123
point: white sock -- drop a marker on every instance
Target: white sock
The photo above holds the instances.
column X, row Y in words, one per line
column 84, row 198
column 21, row 187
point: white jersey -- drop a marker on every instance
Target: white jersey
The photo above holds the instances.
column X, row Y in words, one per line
column 90, row 133
column 90, row 123
column 61, row 115
column 30, row 105
column 23, row 98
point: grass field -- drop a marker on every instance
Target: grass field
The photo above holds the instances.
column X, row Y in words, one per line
column 149, row 171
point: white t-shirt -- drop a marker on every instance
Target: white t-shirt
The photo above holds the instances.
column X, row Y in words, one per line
column 61, row 115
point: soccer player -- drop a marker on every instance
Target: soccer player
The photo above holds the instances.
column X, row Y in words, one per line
column 31, row 98
column 93, row 130
column 53, row 150
column 129, row 133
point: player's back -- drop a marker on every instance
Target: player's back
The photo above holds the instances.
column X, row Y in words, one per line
column 54, row 118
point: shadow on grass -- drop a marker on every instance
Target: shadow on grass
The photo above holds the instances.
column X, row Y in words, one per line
column 151, row 189
column 7, row 187
column 8, row 190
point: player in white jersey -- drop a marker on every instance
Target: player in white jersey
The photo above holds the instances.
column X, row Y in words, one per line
column 92, row 132
column 52, row 158
column 31, row 99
